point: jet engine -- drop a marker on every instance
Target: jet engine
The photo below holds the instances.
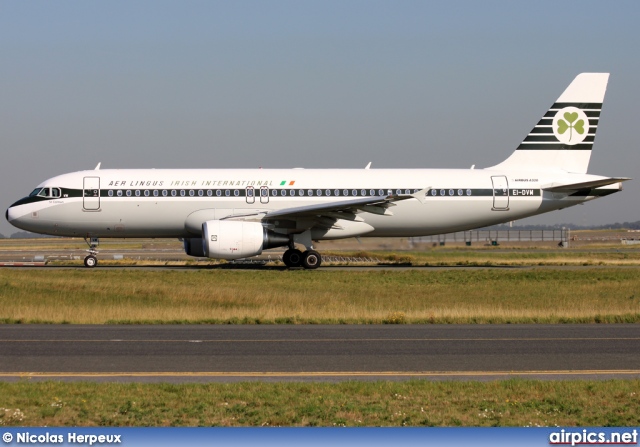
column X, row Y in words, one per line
column 228, row 239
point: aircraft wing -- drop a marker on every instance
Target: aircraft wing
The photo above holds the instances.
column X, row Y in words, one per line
column 584, row 185
column 374, row 204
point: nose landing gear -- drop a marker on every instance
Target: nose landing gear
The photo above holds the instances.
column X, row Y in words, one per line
column 91, row 260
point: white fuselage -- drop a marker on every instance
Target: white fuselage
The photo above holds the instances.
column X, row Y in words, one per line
column 159, row 203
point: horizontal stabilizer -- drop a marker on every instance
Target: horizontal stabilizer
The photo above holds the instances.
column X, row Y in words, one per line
column 585, row 185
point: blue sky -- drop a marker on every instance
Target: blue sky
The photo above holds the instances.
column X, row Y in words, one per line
column 307, row 83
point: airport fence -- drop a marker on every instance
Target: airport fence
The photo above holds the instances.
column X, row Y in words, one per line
column 494, row 237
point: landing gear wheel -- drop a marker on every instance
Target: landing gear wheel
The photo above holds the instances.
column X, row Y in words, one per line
column 292, row 258
column 311, row 259
column 90, row 261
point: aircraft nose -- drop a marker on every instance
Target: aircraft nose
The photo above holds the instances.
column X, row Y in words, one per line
column 15, row 211
column 15, row 216
column 11, row 214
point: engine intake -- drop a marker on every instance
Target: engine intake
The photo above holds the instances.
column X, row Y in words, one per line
column 228, row 239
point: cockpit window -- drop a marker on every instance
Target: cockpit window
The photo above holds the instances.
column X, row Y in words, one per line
column 46, row 192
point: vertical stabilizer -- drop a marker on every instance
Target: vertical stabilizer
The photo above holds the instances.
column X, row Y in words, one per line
column 563, row 138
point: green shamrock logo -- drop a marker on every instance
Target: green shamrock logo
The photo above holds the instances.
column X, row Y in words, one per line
column 571, row 124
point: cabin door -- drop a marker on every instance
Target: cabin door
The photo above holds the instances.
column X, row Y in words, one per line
column 91, row 194
column 500, row 192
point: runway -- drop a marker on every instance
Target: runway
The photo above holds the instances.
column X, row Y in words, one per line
column 201, row 353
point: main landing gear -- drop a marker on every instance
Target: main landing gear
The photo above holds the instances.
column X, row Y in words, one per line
column 310, row 259
column 91, row 260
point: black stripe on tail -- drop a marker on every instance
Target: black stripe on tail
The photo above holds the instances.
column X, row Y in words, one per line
column 542, row 136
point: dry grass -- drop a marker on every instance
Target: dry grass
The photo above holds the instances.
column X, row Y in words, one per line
column 273, row 296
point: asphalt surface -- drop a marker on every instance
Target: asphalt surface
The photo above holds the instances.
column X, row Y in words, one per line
column 319, row 353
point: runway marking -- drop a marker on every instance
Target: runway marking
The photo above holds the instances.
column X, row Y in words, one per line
column 214, row 374
column 313, row 340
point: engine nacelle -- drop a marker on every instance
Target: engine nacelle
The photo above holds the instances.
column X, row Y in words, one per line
column 229, row 239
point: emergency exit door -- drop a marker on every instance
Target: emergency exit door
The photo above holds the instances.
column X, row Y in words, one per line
column 251, row 194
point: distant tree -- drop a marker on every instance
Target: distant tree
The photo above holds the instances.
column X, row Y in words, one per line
column 2, row 236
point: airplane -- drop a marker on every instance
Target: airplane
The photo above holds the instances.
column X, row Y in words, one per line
column 238, row 213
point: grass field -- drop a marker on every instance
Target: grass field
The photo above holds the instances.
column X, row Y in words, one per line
column 515, row 402
column 491, row 295
column 606, row 293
